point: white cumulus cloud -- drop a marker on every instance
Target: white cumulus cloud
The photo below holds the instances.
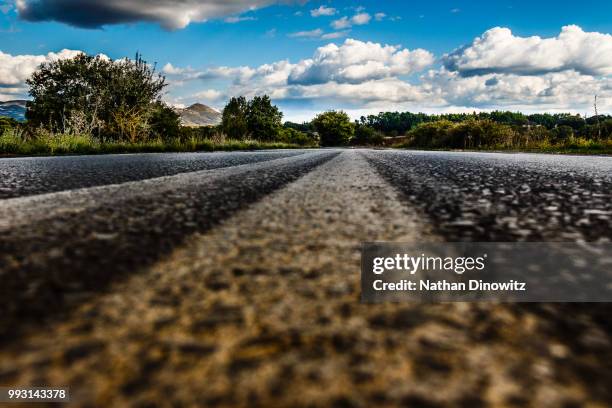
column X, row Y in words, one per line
column 361, row 19
column 323, row 11
column 341, row 23
column 354, row 71
column 528, row 74
column 554, row 91
column 15, row 69
column 497, row 70
column 500, row 51
column 209, row 95
column 357, row 61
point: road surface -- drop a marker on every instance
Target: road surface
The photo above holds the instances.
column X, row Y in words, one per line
column 36, row 175
column 233, row 279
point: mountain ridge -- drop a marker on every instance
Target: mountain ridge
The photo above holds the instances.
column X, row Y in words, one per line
column 198, row 114
column 15, row 109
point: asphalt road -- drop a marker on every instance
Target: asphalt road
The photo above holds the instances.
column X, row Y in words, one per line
column 36, row 175
column 505, row 197
column 236, row 283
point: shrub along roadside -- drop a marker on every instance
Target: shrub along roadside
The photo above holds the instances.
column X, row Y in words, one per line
column 334, row 127
column 118, row 100
column 489, row 135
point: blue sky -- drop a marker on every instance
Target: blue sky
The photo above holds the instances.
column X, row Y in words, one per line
column 234, row 50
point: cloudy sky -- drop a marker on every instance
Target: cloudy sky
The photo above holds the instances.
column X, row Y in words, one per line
column 310, row 56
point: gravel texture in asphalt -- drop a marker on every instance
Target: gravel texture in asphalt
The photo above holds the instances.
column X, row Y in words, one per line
column 36, row 175
column 248, row 286
column 505, row 197
column 79, row 241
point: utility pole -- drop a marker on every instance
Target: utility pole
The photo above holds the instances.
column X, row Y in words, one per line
column 597, row 118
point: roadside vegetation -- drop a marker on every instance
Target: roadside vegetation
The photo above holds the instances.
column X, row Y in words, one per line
column 503, row 131
column 506, row 131
column 89, row 104
column 14, row 143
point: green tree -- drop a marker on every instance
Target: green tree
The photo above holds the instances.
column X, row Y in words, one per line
column 264, row 120
column 233, row 119
column 434, row 134
column 334, row 127
column 366, row 136
column 563, row 133
column 91, row 94
column 544, row 119
column 539, row 134
column 7, row 123
column 302, row 127
column 576, row 122
column 165, row 122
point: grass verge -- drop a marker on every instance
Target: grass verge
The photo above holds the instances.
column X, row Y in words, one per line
column 575, row 146
column 13, row 144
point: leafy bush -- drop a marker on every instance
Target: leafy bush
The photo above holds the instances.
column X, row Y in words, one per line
column 468, row 134
column 201, row 132
column 366, row 136
column 563, row 133
column 263, row 119
column 233, row 119
column 292, row 136
column 601, row 130
column 497, row 135
column 487, row 134
column 165, row 122
column 256, row 118
column 7, row 123
column 118, row 100
column 334, row 128
column 434, row 134
column 538, row 134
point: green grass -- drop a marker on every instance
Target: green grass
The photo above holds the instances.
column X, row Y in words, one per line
column 575, row 146
column 13, row 143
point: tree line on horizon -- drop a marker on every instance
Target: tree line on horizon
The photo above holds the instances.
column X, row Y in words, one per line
column 497, row 129
column 399, row 123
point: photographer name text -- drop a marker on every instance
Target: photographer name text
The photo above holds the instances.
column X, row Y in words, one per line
column 411, row 265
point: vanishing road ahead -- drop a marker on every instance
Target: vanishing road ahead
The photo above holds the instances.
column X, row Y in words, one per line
column 233, row 279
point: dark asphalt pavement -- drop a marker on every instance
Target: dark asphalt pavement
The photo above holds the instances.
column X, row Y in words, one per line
column 36, row 175
column 68, row 243
column 228, row 285
column 493, row 197
column 98, row 240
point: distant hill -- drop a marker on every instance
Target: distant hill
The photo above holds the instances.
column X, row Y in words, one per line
column 13, row 109
column 199, row 115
